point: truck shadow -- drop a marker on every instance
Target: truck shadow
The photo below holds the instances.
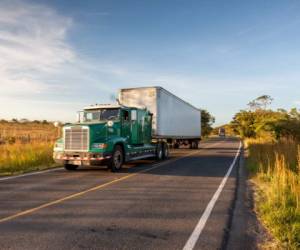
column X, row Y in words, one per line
column 207, row 161
column 214, row 165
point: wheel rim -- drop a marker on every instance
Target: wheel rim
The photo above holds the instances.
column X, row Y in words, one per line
column 166, row 151
column 118, row 159
column 160, row 154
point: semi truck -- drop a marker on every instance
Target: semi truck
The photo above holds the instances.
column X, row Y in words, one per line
column 143, row 124
column 222, row 132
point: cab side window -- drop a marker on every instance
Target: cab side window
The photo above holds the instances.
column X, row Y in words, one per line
column 126, row 115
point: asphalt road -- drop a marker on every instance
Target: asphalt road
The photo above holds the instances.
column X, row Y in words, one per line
column 148, row 205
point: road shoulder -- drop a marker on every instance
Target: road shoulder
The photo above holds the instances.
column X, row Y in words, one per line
column 245, row 230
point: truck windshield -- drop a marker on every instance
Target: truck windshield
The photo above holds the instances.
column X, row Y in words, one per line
column 99, row 115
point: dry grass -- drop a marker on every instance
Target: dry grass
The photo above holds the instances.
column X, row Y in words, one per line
column 26, row 147
column 27, row 132
column 20, row 158
column 276, row 172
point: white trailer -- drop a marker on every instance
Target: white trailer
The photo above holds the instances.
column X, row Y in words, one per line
column 173, row 119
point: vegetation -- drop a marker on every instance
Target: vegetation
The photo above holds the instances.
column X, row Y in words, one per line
column 276, row 172
column 273, row 142
column 24, row 131
column 19, row 158
column 26, row 146
column 207, row 120
column 268, row 124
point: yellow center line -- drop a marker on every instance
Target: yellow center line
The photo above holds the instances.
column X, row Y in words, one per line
column 32, row 210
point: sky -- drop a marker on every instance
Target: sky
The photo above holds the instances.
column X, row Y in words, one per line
column 58, row 56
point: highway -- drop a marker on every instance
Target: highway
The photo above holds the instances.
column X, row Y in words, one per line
column 182, row 203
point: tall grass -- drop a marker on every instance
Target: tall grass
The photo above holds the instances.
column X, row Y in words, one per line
column 276, row 171
column 11, row 132
column 19, row 158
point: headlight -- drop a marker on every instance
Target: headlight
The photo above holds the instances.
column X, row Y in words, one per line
column 99, row 145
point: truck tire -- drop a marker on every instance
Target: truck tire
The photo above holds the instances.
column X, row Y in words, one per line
column 70, row 167
column 159, row 152
column 194, row 144
column 165, row 151
column 117, row 159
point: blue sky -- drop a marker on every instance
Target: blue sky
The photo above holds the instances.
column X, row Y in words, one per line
column 58, row 56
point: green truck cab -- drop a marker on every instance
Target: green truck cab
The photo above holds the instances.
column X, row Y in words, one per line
column 108, row 135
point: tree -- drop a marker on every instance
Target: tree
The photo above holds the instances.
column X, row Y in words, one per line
column 261, row 102
column 267, row 124
column 207, row 120
column 243, row 124
column 253, row 105
column 264, row 101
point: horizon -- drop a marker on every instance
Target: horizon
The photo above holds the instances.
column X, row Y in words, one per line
column 57, row 57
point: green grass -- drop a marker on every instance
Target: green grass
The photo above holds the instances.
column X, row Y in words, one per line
column 20, row 158
column 276, row 172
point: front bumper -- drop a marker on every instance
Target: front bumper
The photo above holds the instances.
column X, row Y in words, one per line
column 79, row 158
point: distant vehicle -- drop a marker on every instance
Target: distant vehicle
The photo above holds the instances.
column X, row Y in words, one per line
column 144, row 123
column 222, row 132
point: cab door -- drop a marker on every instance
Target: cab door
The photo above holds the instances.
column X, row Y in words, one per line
column 126, row 125
column 130, row 126
column 134, row 127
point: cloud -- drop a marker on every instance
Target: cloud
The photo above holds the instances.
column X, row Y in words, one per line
column 32, row 46
column 38, row 61
column 40, row 70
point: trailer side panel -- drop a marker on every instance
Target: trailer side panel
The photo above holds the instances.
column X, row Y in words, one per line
column 176, row 118
column 172, row 117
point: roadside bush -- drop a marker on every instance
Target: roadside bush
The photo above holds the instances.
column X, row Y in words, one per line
column 267, row 124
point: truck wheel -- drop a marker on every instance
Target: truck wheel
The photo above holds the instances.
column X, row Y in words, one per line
column 117, row 159
column 165, row 151
column 194, row 144
column 70, row 167
column 159, row 152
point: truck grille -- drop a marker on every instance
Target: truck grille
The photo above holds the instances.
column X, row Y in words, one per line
column 76, row 138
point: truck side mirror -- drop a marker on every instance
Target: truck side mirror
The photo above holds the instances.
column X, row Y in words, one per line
column 133, row 115
column 78, row 117
column 56, row 124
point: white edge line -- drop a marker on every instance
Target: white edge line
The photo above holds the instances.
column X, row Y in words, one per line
column 28, row 174
column 56, row 169
column 191, row 242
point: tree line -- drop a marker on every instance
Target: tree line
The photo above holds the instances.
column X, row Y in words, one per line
column 260, row 121
column 14, row 120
